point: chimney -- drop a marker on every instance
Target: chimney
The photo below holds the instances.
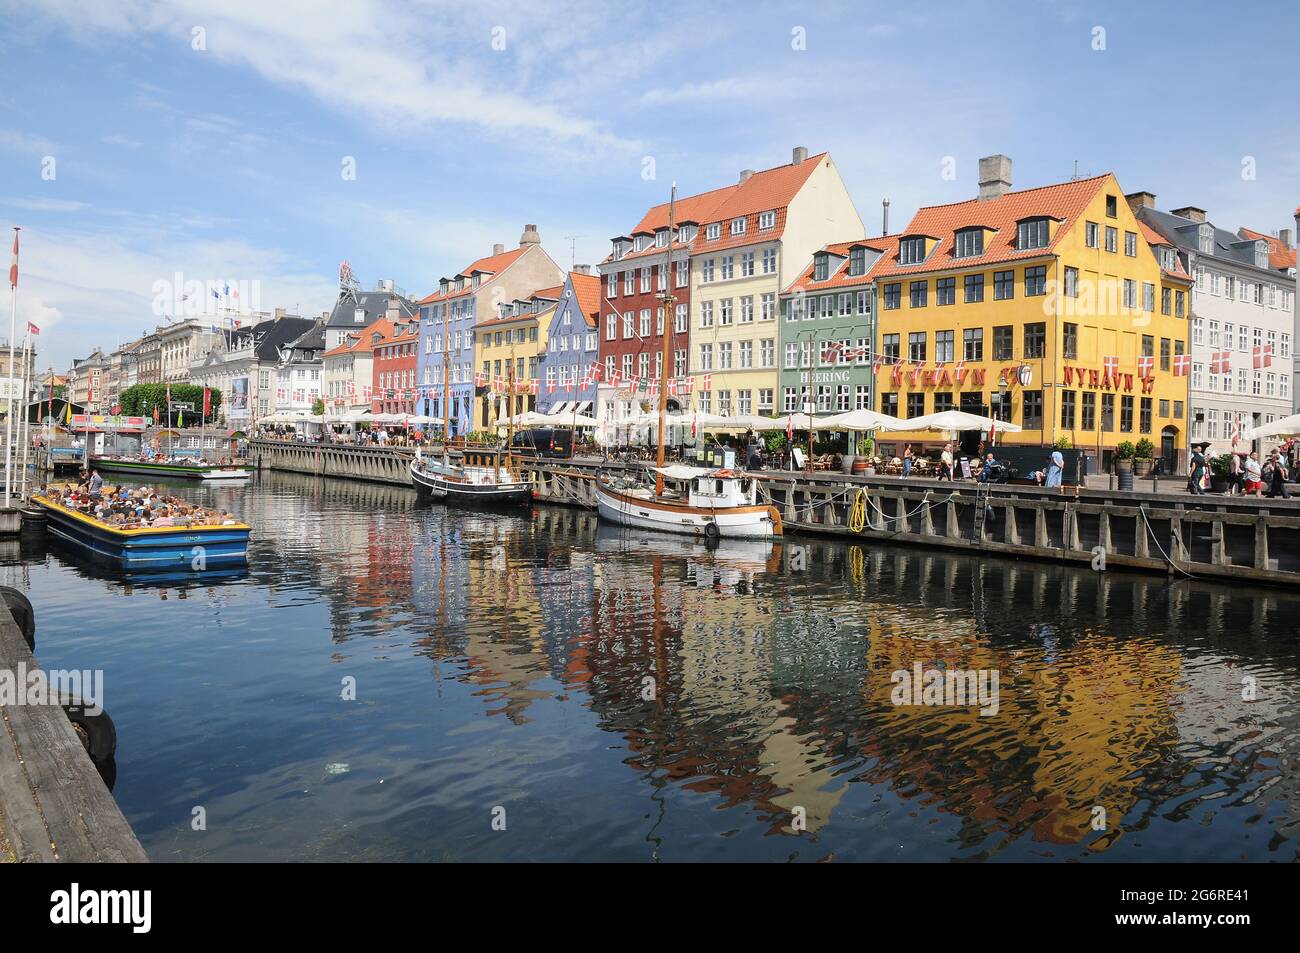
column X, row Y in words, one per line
column 995, row 177
column 280, row 313
column 530, row 236
column 1284, row 236
column 582, row 269
column 884, row 225
column 800, row 154
column 1190, row 211
column 745, row 174
column 1137, row 200
column 498, row 248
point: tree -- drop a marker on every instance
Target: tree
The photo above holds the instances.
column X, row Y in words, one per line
column 318, row 407
column 141, row 399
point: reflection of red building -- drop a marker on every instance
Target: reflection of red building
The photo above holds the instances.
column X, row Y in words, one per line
column 393, row 386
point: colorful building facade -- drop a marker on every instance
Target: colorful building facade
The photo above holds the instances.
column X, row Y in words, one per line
column 571, row 367
column 1045, row 307
column 393, row 378
column 510, row 349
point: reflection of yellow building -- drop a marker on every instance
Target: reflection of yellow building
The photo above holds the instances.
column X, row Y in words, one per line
column 1046, row 306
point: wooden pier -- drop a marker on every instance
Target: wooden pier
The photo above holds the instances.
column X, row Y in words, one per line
column 1174, row 533
column 53, row 804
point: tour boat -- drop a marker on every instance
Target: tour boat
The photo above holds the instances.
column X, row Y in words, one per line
column 175, row 467
column 715, row 504
column 481, row 478
column 183, row 548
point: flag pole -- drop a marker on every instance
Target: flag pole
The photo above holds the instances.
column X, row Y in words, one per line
column 23, row 425
column 13, row 331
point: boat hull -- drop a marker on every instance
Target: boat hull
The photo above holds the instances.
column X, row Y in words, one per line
column 738, row 522
column 432, row 485
column 168, row 548
column 173, row 470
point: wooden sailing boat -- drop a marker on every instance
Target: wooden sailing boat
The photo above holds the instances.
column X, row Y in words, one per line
column 714, row 502
column 483, row 475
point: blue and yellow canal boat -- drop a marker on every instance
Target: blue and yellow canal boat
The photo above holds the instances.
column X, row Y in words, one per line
column 188, row 548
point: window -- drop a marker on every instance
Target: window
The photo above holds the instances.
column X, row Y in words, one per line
column 973, row 344
column 728, row 268
column 766, row 220
column 893, row 294
column 916, row 347
column 1035, row 339
column 1148, row 296
column 1112, row 206
column 911, row 251
column 767, row 352
column 713, row 232
column 1131, row 244
column 1070, row 341
column 683, row 273
column 706, row 271
column 1112, row 238
column 1032, row 234
column 1004, row 285
column 680, row 319
column 1002, row 338
column 943, row 346
column 706, row 314
column 1164, row 357
column 767, row 306
column 1071, row 282
column 917, row 292
column 857, row 261
column 1125, row 413
column 970, row 242
column 769, row 261
column 1067, row 409
column 974, row 288
column 916, row 404
column 821, row 267
column 945, row 291
column 1033, row 413
column 889, row 404
column 1165, row 295
column 1090, row 234
column 1035, row 281
column 1130, row 294
column 1108, row 413
column 747, row 265
column 724, row 313
column 889, row 344
column 747, row 309
column 1178, row 303
column 1088, row 412
column 737, row 226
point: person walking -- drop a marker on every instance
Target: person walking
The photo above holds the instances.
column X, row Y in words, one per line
column 1278, row 477
column 1196, row 470
column 945, row 463
column 1253, row 480
column 1055, row 469
column 1234, row 474
column 908, row 458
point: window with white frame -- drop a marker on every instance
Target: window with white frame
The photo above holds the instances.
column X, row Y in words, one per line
column 769, row 261
column 766, row 220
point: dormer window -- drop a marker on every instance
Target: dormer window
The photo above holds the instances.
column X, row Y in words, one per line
column 1032, row 233
column 713, row 232
column 641, row 242
column 661, row 238
column 857, row 261
column 1205, row 239
column 821, row 267
column 766, row 220
column 477, row 278
column 1261, row 254
column 359, row 316
column 460, row 284
column 686, row 233
column 969, row 243
column 618, row 250
column 911, row 251
column 737, row 226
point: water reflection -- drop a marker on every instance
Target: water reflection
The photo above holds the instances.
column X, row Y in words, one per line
column 650, row 698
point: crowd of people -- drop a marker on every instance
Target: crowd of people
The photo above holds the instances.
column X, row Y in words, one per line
column 1247, row 474
column 132, row 508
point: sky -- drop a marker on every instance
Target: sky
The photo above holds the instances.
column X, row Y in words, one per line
column 261, row 143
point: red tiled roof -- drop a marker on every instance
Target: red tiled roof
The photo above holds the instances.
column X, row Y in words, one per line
column 1279, row 256
column 493, row 264
column 512, row 318
column 1064, row 201
column 887, row 245
column 1151, row 235
column 586, row 289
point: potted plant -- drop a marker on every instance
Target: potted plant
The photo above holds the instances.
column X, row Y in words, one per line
column 1144, row 457
column 865, row 463
column 1220, row 467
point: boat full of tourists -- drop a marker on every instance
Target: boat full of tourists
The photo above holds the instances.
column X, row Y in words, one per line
column 480, row 476
column 177, row 467
column 208, row 541
column 705, row 502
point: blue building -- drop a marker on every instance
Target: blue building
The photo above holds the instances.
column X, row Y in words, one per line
column 573, row 348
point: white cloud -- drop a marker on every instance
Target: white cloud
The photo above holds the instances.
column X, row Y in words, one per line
column 11, row 140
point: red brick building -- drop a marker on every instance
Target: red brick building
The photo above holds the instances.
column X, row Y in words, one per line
column 393, row 386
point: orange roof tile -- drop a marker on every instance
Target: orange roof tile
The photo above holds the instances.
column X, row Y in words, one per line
column 493, row 264
column 1279, row 256
column 1151, row 235
column 1064, row 201
column 887, row 245
column 586, row 289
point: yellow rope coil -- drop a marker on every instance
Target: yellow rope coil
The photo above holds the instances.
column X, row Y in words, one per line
column 858, row 515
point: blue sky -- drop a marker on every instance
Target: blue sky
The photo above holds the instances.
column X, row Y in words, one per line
column 225, row 163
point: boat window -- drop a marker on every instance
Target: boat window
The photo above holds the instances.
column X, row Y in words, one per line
column 719, row 488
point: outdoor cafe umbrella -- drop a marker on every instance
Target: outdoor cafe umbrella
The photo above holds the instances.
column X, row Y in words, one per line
column 1286, row 427
column 862, row 420
column 954, row 421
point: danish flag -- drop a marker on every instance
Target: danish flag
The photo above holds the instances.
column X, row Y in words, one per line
column 707, row 383
column 550, row 387
column 652, row 389
column 1182, row 364
column 615, row 376
column 532, row 387
column 594, row 373
column 1236, row 430
column 1221, row 362
column 478, row 379
column 1146, row 364
column 687, row 385
column 1263, row 356
column 1110, row 366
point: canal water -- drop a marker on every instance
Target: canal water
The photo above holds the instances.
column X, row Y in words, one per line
column 395, row 682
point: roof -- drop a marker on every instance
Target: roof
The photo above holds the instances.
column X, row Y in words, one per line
column 1185, row 232
column 1279, row 256
column 270, row 335
column 492, row 264
column 393, row 333
column 375, row 305
column 363, row 342
column 766, row 191
column 886, row 245
column 1064, row 201
column 587, row 296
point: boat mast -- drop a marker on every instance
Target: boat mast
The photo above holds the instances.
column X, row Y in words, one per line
column 667, row 299
column 446, row 380
column 510, row 410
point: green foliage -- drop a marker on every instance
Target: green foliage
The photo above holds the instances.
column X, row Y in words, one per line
column 318, row 407
column 140, row 400
column 1221, row 465
column 867, row 446
column 774, row 440
column 1145, row 449
column 1062, row 443
column 1125, row 450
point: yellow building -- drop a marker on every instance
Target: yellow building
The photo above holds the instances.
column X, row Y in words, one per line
column 517, row 336
column 1046, row 307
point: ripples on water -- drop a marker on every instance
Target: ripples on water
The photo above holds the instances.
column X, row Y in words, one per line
column 632, row 696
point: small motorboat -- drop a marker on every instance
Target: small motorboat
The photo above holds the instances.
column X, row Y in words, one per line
column 714, row 503
column 483, row 477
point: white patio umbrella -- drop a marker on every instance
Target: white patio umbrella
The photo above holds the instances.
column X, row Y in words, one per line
column 949, row 421
column 531, row 418
column 862, row 420
column 1286, row 427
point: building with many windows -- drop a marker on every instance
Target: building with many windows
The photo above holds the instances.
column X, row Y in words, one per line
column 347, row 372
column 571, row 368
column 243, row 364
column 1242, row 323
column 510, row 349
column 393, row 368
column 1046, row 307
column 460, row 302
column 828, row 329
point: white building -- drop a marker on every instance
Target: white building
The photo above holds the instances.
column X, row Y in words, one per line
column 348, row 371
column 244, row 366
column 1242, row 326
column 298, row 377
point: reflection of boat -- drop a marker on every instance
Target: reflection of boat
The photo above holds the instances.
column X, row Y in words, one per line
column 716, row 503
column 94, row 566
column 196, row 548
column 175, row 467
column 481, row 478
column 747, row 555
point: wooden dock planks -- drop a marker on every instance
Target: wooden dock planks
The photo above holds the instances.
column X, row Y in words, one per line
column 53, row 804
